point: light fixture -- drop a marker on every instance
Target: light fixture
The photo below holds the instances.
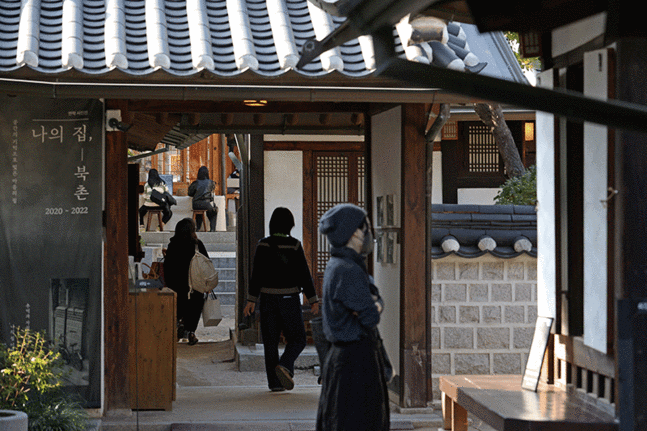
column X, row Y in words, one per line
column 529, row 131
column 255, row 103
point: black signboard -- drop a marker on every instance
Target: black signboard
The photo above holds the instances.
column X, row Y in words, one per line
column 537, row 352
column 51, row 182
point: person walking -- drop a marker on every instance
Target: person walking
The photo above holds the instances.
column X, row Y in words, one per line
column 154, row 183
column 202, row 191
column 179, row 253
column 279, row 274
column 353, row 393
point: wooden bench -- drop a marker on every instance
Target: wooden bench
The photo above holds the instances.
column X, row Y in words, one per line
column 501, row 402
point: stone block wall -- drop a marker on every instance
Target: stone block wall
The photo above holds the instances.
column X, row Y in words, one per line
column 483, row 315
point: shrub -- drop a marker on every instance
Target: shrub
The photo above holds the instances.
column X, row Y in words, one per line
column 519, row 190
column 31, row 377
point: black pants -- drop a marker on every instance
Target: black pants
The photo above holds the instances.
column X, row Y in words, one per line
column 166, row 213
column 281, row 313
column 189, row 310
column 212, row 213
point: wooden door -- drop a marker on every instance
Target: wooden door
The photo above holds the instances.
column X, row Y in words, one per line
column 335, row 177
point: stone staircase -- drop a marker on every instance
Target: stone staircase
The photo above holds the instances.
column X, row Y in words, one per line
column 222, row 252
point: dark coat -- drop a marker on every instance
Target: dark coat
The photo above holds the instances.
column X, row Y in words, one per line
column 280, row 267
column 176, row 274
column 353, row 392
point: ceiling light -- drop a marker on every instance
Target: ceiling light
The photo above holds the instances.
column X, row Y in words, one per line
column 256, row 103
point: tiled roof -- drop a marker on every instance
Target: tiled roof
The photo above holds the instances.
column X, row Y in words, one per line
column 187, row 37
column 473, row 230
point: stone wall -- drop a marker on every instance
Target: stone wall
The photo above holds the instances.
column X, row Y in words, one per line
column 483, row 315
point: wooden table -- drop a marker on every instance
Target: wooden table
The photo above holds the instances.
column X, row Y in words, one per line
column 501, row 402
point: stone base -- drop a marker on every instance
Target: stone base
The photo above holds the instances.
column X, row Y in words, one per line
column 252, row 358
column 12, row 420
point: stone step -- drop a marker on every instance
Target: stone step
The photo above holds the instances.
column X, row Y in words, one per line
column 226, row 298
column 213, row 241
column 252, row 358
column 226, row 286
column 226, row 274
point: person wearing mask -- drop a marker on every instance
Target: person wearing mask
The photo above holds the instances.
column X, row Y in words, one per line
column 279, row 273
column 178, row 257
column 353, row 393
column 154, row 183
column 202, row 191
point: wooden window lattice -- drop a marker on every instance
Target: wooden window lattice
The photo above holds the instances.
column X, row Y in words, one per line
column 483, row 154
column 333, row 181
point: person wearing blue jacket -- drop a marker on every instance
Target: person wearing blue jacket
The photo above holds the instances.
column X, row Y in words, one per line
column 353, row 393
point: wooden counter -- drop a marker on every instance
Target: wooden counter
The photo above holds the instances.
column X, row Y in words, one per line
column 153, row 349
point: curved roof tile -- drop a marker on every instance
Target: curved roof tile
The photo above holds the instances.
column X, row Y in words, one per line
column 186, row 37
column 470, row 231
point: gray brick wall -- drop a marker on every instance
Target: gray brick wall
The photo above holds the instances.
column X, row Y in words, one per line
column 483, row 315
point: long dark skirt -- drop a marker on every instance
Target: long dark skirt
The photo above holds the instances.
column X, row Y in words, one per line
column 353, row 393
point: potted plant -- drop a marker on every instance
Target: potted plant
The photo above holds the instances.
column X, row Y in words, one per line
column 31, row 376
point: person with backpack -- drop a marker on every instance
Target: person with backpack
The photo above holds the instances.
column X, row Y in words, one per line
column 202, row 191
column 179, row 253
column 155, row 182
column 279, row 274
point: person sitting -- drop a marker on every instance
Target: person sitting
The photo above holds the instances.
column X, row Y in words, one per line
column 202, row 191
column 154, row 183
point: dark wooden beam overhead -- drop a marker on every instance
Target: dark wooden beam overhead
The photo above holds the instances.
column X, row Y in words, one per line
column 197, row 106
column 529, row 15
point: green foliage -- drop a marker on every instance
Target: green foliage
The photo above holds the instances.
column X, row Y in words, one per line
column 519, row 190
column 31, row 381
column 525, row 63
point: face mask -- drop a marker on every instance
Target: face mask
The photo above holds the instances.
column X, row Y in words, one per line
column 367, row 242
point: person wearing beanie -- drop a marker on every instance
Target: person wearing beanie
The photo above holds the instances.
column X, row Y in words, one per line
column 279, row 274
column 353, row 393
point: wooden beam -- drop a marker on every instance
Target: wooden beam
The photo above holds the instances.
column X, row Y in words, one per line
column 115, row 299
column 184, row 106
column 414, row 322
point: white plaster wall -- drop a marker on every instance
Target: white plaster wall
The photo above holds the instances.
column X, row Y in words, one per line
column 437, row 178
column 477, row 196
column 386, row 168
column 595, row 211
column 284, row 187
column 546, row 246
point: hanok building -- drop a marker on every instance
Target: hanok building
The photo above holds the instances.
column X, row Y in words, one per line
column 82, row 82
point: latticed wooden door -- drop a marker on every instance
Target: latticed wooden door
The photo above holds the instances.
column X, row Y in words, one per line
column 339, row 177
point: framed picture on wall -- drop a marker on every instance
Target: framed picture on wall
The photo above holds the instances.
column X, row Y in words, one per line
column 379, row 247
column 391, row 247
column 379, row 208
column 390, row 210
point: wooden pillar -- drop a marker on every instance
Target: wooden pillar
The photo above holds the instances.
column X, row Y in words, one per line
column 115, row 297
column 215, row 148
column 630, row 254
column 414, row 322
column 251, row 218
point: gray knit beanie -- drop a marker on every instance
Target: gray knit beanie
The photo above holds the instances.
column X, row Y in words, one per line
column 340, row 223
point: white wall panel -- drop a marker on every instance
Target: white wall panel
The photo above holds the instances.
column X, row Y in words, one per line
column 284, row 187
column 595, row 209
column 546, row 245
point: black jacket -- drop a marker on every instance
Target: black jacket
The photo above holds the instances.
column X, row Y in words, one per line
column 202, row 190
column 280, row 268
column 177, row 261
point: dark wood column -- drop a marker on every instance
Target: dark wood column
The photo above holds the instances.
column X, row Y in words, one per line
column 630, row 254
column 414, row 324
column 250, row 224
column 115, row 296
